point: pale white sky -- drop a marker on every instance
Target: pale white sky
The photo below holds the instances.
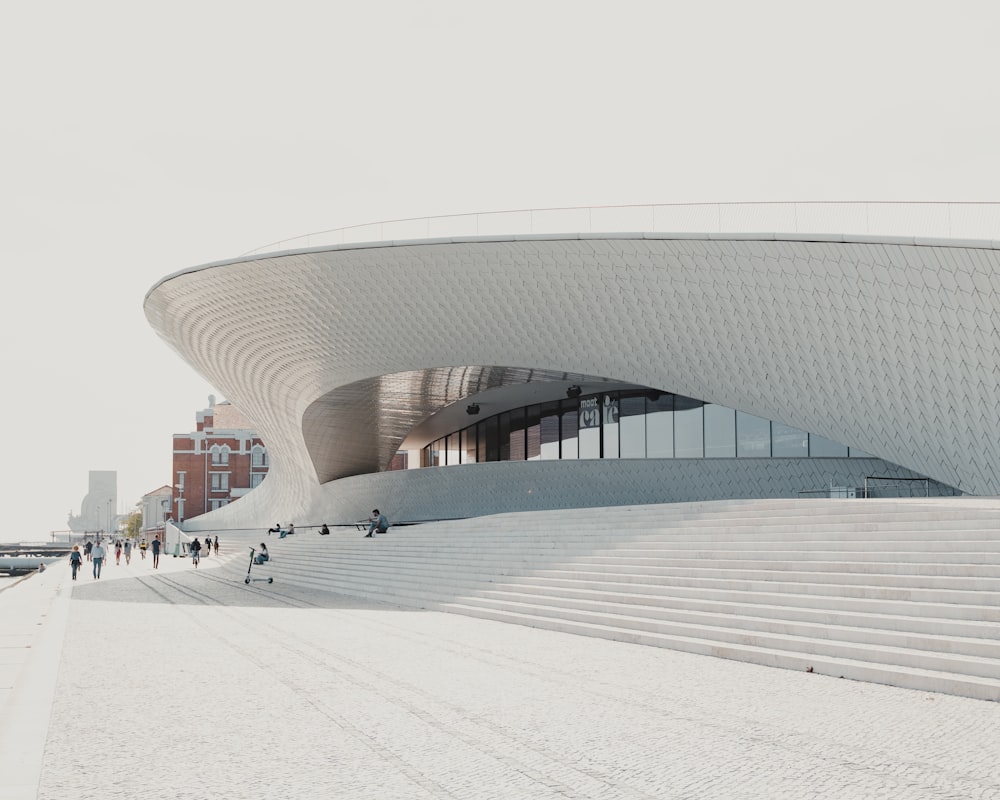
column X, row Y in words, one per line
column 138, row 140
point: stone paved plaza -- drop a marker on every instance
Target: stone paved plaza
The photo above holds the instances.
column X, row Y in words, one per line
column 192, row 685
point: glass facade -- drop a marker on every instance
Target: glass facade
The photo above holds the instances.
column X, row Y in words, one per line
column 633, row 424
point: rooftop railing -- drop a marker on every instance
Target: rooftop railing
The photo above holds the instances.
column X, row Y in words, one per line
column 943, row 220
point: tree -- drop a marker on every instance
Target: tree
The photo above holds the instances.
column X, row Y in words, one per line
column 133, row 523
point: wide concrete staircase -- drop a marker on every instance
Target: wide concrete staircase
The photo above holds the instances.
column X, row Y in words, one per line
column 901, row 592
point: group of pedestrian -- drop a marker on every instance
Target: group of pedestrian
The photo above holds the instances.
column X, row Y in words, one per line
column 95, row 552
column 123, row 547
column 378, row 520
column 196, row 548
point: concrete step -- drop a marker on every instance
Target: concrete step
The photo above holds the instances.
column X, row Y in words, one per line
column 780, row 582
column 835, row 666
column 897, row 592
column 631, row 606
column 449, row 581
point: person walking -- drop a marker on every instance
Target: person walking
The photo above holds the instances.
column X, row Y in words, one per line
column 87, row 547
column 118, row 552
column 97, row 556
column 195, row 552
column 142, row 549
column 156, row 552
column 75, row 560
column 128, row 552
column 215, row 544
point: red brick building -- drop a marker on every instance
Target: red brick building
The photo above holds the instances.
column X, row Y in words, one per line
column 218, row 463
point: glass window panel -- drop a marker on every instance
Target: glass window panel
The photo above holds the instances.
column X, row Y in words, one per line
column 568, row 436
column 788, row 442
column 517, row 446
column 660, row 425
column 549, row 429
column 610, row 419
column 488, row 439
column 590, row 427
column 503, row 434
column 753, row 436
column 590, row 443
column 825, row 448
column 469, row 442
column 632, row 426
column 689, row 427
column 590, row 412
column 720, row 432
column 631, row 405
column 533, row 433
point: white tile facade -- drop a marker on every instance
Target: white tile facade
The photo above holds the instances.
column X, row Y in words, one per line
column 889, row 347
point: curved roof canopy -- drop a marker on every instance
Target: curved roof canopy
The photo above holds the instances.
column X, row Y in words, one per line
column 337, row 353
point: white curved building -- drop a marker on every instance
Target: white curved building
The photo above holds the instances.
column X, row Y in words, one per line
column 709, row 365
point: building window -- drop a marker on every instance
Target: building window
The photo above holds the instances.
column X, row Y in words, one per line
column 689, row 427
column 220, row 481
column 629, row 424
column 219, row 503
column 632, row 436
column 788, row 442
column 589, row 426
column 753, row 436
column 720, row 432
column 255, row 479
column 220, row 455
column 258, row 457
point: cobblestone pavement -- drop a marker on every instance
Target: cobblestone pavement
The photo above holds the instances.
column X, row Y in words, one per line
column 192, row 685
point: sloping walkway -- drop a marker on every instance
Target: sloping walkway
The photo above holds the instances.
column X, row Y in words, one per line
column 191, row 684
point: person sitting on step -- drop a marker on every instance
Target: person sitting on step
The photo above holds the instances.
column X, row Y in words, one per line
column 379, row 523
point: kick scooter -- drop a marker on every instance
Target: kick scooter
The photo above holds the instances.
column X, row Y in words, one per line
column 248, row 578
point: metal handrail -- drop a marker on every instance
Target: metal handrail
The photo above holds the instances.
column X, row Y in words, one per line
column 946, row 220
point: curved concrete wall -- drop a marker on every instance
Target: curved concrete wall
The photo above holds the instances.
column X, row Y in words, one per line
column 889, row 347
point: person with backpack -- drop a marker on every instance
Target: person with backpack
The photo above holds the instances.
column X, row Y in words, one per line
column 75, row 560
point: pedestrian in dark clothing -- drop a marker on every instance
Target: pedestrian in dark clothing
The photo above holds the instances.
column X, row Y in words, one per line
column 75, row 560
column 156, row 552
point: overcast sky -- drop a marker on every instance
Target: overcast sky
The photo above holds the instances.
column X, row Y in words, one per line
column 140, row 140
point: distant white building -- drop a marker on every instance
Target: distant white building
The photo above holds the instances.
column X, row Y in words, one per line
column 155, row 510
column 98, row 511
